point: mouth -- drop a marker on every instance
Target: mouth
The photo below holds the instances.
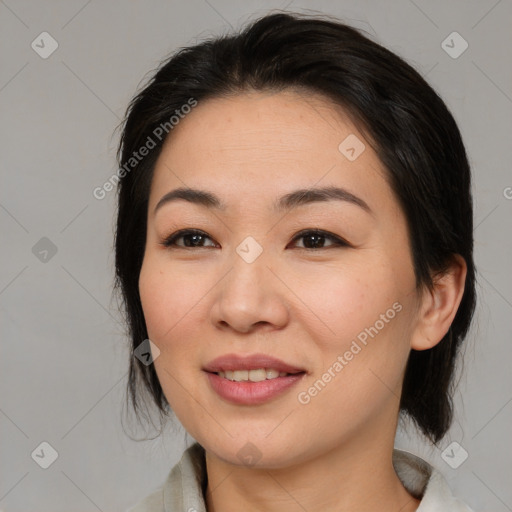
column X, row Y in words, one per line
column 251, row 380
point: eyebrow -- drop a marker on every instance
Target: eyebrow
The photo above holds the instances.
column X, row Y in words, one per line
column 288, row 201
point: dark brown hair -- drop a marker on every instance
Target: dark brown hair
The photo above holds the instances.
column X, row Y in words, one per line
column 409, row 126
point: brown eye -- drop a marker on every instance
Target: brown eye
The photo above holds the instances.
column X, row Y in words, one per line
column 315, row 239
column 312, row 239
column 191, row 238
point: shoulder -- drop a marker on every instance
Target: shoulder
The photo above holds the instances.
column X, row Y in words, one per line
column 151, row 503
column 427, row 484
column 182, row 490
column 438, row 496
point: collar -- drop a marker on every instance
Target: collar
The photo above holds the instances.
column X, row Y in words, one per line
column 183, row 489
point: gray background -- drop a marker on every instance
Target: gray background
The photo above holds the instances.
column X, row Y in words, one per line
column 64, row 357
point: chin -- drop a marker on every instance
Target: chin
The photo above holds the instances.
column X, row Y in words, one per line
column 256, row 450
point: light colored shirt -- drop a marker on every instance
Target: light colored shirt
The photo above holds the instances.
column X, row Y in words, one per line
column 182, row 491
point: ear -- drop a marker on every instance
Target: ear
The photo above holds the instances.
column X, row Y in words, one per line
column 439, row 305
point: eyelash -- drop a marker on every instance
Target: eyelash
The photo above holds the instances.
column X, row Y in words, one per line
column 170, row 241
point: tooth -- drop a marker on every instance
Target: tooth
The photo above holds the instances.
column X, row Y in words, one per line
column 239, row 375
column 257, row 375
column 271, row 373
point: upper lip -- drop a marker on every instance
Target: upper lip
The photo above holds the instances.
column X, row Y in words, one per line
column 253, row 362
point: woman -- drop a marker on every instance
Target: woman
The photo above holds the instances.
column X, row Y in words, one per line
column 294, row 236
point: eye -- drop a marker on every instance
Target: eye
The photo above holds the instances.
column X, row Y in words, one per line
column 315, row 238
column 191, row 238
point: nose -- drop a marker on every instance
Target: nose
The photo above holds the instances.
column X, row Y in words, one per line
column 250, row 297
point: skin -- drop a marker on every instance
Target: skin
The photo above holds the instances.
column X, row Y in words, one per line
column 303, row 306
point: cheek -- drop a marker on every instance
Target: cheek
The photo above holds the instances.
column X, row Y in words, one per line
column 342, row 303
column 361, row 329
column 168, row 299
column 171, row 302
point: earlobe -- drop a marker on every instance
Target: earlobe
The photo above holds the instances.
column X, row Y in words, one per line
column 439, row 305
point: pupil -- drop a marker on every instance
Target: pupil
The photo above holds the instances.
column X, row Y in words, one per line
column 194, row 237
column 312, row 237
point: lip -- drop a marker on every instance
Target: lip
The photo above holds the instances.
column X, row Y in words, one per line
column 252, row 362
column 251, row 393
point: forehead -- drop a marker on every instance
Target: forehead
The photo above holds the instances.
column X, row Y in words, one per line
column 254, row 145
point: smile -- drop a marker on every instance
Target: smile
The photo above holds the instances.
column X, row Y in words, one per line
column 252, row 375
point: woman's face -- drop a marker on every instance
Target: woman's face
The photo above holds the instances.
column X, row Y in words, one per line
column 335, row 309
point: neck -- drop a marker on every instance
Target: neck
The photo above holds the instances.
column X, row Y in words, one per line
column 356, row 476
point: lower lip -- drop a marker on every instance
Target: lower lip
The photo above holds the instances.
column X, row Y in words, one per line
column 251, row 393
